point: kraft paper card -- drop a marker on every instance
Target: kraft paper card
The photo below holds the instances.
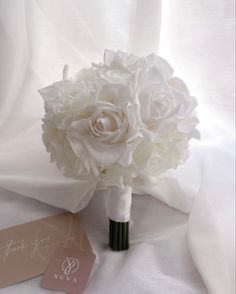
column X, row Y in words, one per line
column 25, row 250
column 68, row 270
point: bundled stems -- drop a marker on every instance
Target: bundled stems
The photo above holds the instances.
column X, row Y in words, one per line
column 118, row 235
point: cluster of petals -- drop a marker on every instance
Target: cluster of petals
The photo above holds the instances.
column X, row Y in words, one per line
column 124, row 119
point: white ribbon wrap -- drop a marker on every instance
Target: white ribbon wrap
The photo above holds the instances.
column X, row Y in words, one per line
column 119, row 203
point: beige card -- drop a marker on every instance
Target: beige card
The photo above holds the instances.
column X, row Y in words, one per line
column 25, row 250
column 68, row 270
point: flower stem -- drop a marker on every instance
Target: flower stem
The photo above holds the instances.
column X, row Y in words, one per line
column 118, row 235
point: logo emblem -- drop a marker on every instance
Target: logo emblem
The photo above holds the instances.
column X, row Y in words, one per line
column 70, row 265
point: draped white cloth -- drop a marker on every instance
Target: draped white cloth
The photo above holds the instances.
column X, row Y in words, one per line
column 37, row 37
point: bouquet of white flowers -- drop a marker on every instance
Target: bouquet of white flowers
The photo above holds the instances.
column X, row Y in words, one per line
column 118, row 121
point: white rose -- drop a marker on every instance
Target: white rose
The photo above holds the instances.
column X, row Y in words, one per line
column 108, row 134
column 166, row 110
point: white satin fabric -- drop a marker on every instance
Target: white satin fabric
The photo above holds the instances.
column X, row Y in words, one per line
column 36, row 39
column 119, row 202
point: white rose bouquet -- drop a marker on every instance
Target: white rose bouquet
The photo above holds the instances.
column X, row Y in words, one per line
column 118, row 121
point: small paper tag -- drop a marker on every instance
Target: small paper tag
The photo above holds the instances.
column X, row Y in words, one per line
column 25, row 250
column 68, row 270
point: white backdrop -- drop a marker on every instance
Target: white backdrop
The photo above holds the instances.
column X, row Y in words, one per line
column 169, row 248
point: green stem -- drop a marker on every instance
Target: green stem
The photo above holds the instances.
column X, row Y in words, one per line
column 118, row 235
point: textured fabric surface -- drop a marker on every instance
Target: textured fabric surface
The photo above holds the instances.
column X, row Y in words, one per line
column 158, row 260
column 171, row 252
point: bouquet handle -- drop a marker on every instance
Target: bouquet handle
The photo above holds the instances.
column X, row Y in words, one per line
column 118, row 211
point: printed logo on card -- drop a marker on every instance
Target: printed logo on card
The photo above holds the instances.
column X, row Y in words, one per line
column 68, row 270
column 70, row 265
